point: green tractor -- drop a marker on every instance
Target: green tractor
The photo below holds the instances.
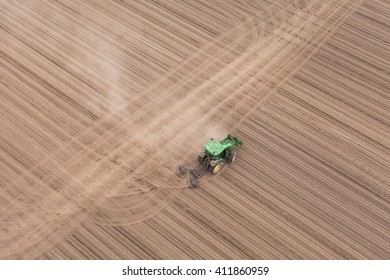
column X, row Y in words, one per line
column 216, row 153
column 213, row 157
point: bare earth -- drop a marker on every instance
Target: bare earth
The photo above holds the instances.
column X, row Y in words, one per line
column 102, row 100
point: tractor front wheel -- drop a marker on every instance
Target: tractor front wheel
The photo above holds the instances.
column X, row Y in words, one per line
column 201, row 159
column 217, row 167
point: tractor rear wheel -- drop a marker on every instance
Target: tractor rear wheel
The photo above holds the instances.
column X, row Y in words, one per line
column 217, row 167
column 232, row 156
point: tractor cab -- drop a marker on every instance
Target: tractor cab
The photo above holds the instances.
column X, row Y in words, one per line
column 214, row 149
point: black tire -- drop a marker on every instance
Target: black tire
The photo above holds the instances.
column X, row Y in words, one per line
column 182, row 169
column 231, row 156
column 217, row 168
column 201, row 159
column 193, row 183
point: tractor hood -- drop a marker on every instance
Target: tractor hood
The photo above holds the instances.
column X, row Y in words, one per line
column 214, row 147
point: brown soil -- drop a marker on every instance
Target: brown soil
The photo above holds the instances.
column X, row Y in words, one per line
column 101, row 101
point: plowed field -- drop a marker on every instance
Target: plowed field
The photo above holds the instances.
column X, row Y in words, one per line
column 102, row 100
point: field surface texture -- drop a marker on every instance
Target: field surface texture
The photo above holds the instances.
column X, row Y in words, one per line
column 100, row 101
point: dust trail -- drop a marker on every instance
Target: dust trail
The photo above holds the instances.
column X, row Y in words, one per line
column 113, row 75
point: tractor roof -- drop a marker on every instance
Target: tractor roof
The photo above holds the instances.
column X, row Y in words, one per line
column 214, row 147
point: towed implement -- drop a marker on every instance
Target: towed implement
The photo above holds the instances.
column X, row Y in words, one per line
column 213, row 157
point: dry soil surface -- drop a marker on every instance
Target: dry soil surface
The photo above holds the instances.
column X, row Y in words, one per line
column 102, row 100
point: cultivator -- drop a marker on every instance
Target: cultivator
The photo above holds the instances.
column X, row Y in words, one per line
column 212, row 158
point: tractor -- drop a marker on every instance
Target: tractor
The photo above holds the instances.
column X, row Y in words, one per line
column 214, row 156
